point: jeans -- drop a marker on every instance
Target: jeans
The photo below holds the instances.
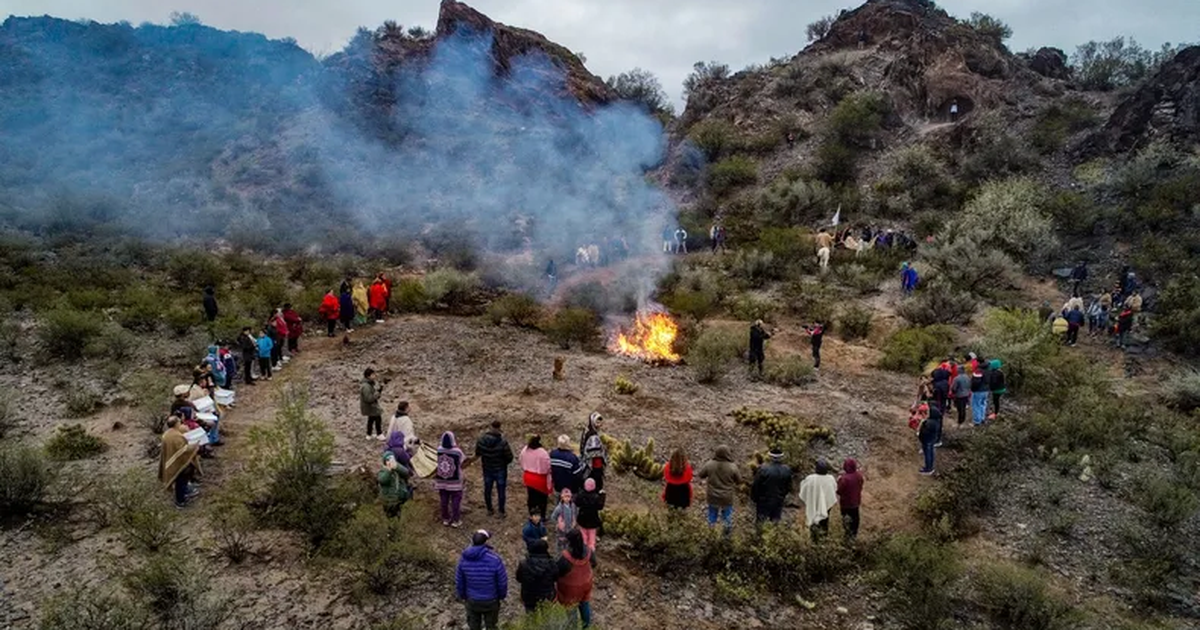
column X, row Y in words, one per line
column 497, row 478
column 481, row 615
column 726, row 514
column 928, row 449
column 451, row 503
column 960, row 405
column 584, row 612
column 181, row 486
column 214, row 434
column 375, row 422
column 979, row 403
column 535, row 500
column 850, row 521
column 756, row 359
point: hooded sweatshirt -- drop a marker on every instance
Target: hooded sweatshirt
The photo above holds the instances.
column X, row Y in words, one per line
column 346, row 306
column 996, row 377
column 677, row 492
column 588, row 504
column 850, row 485
column 378, row 296
column 449, row 475
column 480, row 576
column 396, row 445
column 961, row 386
column 329, row 307
column 819, row 494
column 723, row 478
column 538, row 573
column 359, row 296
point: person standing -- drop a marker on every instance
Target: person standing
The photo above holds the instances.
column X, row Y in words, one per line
column 758, row 341
column 563, row 517
column 280, row 326
column 908, row 279
column 940, row 379
column 494, row 455
column 849, row 494
column 575, row 585
column 210, row 304
column 816, row 334
column 369, row 392
column 997, row 385
column 551, row 276
column 592, row 450
column 265, row 348
column 681, row 237
column 535, row 475
column 960, row 389
column 1079, row 275
column 377, row 299
column 677, row 475
column 565, row 468
column 824, row 242
column 1124, row 325
column 295, row 328
column 588, row 504
column 979, row 396
column 393, row 485
column 772, row 483
column 346, row 307
column 723, row 479
column 249, row 347
column 362, row 302
column 448, row 480
column 177, row 461
column 330, row 312
column 538, row 575
column 818, row 493
column 1075, row 321
column 927, row 433
column 668, row 238
column 481, row 582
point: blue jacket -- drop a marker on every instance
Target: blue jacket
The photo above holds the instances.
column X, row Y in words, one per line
column 565, row 470
column 346, row 306
column 265, row 345
column 533, row 532
column 481, row 576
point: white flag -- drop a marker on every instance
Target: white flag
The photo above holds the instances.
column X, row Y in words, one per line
column 837, row 216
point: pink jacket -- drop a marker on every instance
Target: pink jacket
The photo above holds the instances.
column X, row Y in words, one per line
column 535, row 461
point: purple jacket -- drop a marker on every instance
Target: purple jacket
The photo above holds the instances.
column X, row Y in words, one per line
column 395, row 444
column 481, row 576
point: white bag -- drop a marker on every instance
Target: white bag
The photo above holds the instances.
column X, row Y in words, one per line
column 204, row 404
column 207, row 417
column 224, row 396
column 197, row 436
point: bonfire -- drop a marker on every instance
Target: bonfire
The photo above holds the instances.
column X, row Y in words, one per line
column 651, row 338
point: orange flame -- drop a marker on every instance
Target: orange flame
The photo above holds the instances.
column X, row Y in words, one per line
column 651, row 339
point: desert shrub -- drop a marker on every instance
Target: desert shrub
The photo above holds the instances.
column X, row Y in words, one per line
column 192, row 270
column 730, row 173
column 938, row 302
column 519, row 309
column 918, row 577
column 599, row 298
column 712, row 353
column 1016, row 597
column 82, row 401
column 231, row 521
column 713, row 137
column 1115, row 63
column 382, row 552
column 177, row 588
column 1182, row 391
column 1007, row 215
column 624, row 458
column 855, row 323
column 548, row 616
column 65, row 333
column 749, row 307
column 972, row 268
column 910, row 349
column 857, row 277
column 149, row 394
column 696, row 303
column 788, row 245
column 917, row 176
column 820, row 28
column 115, row 344
column 451, row 287
column 968, row 489
column 93, row 609
column 625, row 385
column 1086, row 420
column 26, row 479
column 1177, row 321
column 141, row 309
column 10, row 334
column 753, row 267
column 72, row 442
column 789, row 371
column 1056, row 122
column 135, row 504
column 578, row 326
column 835, row 163
column 180, row 320
column 1028, row 349
column 1169, row 504
column 791, row 201
column 8, row 412
column 857, row 118
column 812, row 301
column 290, row 459
column 410, row 296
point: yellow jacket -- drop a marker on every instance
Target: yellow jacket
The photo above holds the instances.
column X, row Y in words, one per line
column 359, row 295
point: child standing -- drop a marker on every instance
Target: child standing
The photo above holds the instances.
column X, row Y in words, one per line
column 588, row 505
column 265, row 346
column 534, row 530
column 563, row 518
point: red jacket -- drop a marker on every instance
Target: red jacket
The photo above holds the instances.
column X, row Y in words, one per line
column 576, row 585
column 329, row 307
column 378, row 295
column 684, row 480
column 280, row 325
column 294, row 323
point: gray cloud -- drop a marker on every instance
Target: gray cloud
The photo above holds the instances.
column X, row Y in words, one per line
column 664, row 37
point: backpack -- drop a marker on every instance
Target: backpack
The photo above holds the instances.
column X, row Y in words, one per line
column 447, row 467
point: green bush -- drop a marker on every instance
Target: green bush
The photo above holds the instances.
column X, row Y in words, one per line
column 790, row 201
column 578, row 326
column 1016, row 597
column 938, row 302
column 1182, row 391
column 8, row 412
column 1058, row 121
column 1168, row 503
column 519, row 309
column 180, row 320
column 714, row 137
column 749, row 308
column 625, row 385
column 921, row 178
column 72, row 442
column 141, row 309
column 451, row 287
column 910, row 349
column 548, row 616
column 231, row 521
column 1177, row 321
column 1009, row 216
column 789, row 371
column 812, row 301
column 696, row 303
column 383, row 552
column 192, row 270
column 918, row 577
column 731, row 173
column 93, row 609
column 857, row 118
column 1029, row 350
column 835, row 163
column 968, row 489
column 857, row 277
column 114, row 344
column 135, row 503
column 855, row 323
column 712, row 353
column 26, row 479
column 66, row 333
column 754, row 268
column 82, row 401
column 178, row 590
column 410, row 296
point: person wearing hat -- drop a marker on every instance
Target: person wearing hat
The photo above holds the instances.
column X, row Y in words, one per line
column 481, row 582
column 758, row 340
column 249, row 347
column 592, row 450
column 723, row 479
column 849, row 491
column 393, row 485
column 772, row 483
column 178, row 461
column 818, row 493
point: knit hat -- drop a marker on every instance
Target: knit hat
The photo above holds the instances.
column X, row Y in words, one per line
column 822, row 466
column 566, row 493
column 182, row 390
column 589, row 484
column 388, row 455
column 595, row 417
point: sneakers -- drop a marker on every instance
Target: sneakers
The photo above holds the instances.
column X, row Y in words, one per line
column 379, row 321
column 445, row 523
column 370, row 437
column 286, row 359
column 456, row 524
column 938, row 445
column 380, row 437
column 925, row 472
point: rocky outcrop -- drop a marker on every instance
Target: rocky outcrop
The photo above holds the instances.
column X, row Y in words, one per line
column 1050, row 63
column 1166, row 107
column 510, row 42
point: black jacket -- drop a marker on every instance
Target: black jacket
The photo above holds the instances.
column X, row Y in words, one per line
column 941, row 375
column 493, row 451
column 210, row 305
column 980, row 383
column 538, row 573
column 758, row 338
column 772, row 483
column 930, row 427
column 996, row 380
column 588, row 506
column 247, row 344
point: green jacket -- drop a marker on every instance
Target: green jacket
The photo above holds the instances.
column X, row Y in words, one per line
column 393, row 485
column 368, row 399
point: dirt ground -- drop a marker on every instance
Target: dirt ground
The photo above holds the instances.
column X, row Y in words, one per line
column 460, row 374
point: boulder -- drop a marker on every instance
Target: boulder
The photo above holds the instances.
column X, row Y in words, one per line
column 1050, row 63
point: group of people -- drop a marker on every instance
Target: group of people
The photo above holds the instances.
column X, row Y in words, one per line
column 1124, row 298
column 355, row 304
column 759, row 336
column 674, row 240
column 971, row 384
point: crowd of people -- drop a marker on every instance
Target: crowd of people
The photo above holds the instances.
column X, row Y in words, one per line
column 355, row 304
column 973, row 385
column 1124, row 299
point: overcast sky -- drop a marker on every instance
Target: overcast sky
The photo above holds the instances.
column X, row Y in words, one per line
column 664, row 36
